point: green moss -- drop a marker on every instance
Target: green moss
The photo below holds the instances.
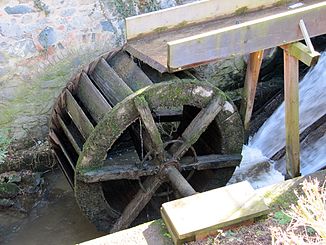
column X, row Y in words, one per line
column 160, row 29
column 282, row 218
column 182, row 24
column 8, row 190
column 241, row 10
column 282, row 2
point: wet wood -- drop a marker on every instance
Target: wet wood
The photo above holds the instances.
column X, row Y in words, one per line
column 69, row 135
column 78, row 116
column 146, row 117
column 302, row 53
column 131, row 169
column 178, row 182
column 188, row 13
column 250, row 85
column 108, row 81
column 68, row 172
column 291, row 94
column 168, row 115
column 137, row 204
column 92, row 99
column 63, row 149
column 197, row 126
column 128, row 71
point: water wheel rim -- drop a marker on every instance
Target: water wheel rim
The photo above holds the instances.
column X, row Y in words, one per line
column 109, row 129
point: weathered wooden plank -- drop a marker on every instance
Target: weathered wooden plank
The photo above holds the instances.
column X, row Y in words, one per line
column 168, row 115
column 113, row 169
column 178, row 182
column 146, row 117
column 69, row 135
column 189, row 13
column 291, row 99
column 257, row 34
column 128, row 70
column 137, row 204
column 78, row 116
column 63, row 149
column 197, row 126
column 187, row 217
column 92, row 98
column 111, row 85
column 68, row 172
column 302, row 53
column 249, row 89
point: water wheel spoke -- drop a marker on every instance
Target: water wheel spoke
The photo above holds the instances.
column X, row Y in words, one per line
column 213, row 161
column 116, row 172
column 147, row 118
column 197, row 126
column 137, row 204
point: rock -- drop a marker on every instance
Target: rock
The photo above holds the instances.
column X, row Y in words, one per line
column 8, row 190
column 2, row 58
column 19, row 9
column 14, row 179
column 107, row 26
column 47, row 37
column 6, row 203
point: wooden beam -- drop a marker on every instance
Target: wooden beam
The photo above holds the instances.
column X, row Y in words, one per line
column 198, row 126
column 246, row 37
column 155, row 136
column 179, row 182
column 291, row 94
column 302, row 53
column 249, row 89
column 189, row 13
column 78, row 116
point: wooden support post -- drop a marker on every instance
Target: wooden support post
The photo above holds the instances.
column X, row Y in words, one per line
column 249, row 90
column 179, row 182
column 291, row 94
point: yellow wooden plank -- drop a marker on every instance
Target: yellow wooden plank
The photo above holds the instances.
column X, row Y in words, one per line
column 291, row 100
column 247, row 37
column 302, row 53
column 249, row 89
column 211, row 210
column 182, row 15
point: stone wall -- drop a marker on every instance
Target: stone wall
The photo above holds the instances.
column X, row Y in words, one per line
column 45, row 42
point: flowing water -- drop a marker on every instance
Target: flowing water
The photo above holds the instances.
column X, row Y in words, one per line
column 270, row 138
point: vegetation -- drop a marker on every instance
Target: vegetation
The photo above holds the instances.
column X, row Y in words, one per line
column 4, row 144
column 308, row 224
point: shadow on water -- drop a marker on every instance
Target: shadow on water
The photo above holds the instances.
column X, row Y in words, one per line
column 56, row 219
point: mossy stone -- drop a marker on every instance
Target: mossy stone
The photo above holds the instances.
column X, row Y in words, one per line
column 8, row 190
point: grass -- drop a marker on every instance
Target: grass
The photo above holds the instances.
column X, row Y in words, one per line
column 308, row 217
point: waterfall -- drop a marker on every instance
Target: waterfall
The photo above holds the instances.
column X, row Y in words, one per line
column 270, row 138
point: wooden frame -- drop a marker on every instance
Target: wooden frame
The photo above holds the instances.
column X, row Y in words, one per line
column 189, row 13
column 246, row 37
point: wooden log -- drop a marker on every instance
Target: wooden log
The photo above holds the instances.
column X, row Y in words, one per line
column 92, row 98
column 129, row 71
column 198, row 126
column 189, row 13
column 249, row 90
column 78, row 116
column 302, row 53
column 178, row 182
column 137, row 204
column 146, row 116
column 112, row 86
column 291, row 94
column 259, row 34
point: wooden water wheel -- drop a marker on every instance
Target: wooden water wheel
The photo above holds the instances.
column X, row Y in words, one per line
column 129, row 138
